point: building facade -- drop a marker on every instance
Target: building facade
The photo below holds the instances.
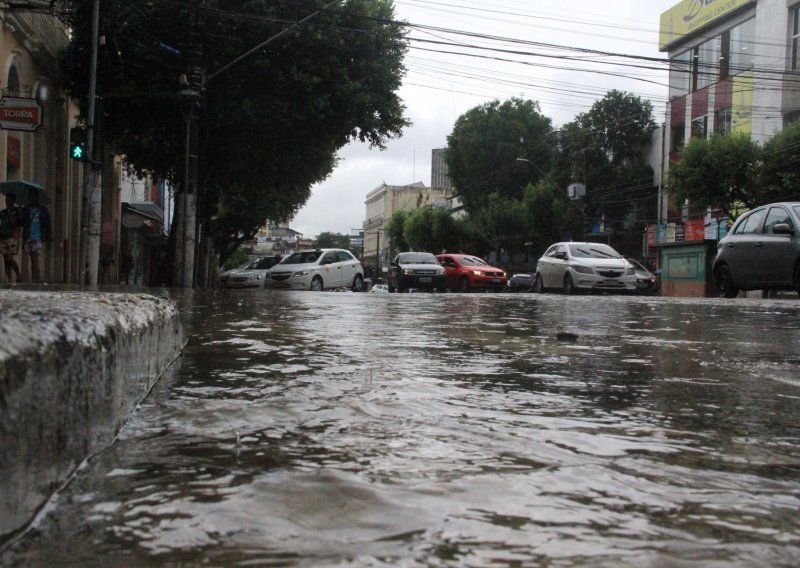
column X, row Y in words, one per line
column 35, row 148
column 734, row 67
column 381, row 203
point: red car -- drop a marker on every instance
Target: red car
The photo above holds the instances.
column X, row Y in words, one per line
column 466, row 272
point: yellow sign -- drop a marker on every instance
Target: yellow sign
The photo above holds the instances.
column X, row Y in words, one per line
column 692, row 15
column 742, row 104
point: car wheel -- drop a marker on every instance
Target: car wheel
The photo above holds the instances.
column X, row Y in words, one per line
column 392, row 289
column 538, row 284
column 569, row 285
column 358, row 283
column 316, row 284
column 463, row 284
column 723, row 280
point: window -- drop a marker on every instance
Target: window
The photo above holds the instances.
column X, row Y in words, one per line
column 700, row 127
column 742, row 48
column 751, row 223
column 706, row 63
column 795, row 37
column 680, row 74
column 344, row 256
column 776, row 215
column 724, row 55
column 677, row 137
column 722, row 120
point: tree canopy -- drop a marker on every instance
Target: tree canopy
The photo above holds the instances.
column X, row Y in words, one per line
column 273, row 122
column 721, row 171
column 327, row 239
column 485, row 146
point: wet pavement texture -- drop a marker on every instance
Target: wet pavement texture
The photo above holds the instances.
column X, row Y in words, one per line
column 304, row 429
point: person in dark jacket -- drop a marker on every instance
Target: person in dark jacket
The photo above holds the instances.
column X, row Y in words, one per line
column 10, row 228
column 36, row 229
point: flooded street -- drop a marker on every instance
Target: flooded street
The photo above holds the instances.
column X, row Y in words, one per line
column 442, row 430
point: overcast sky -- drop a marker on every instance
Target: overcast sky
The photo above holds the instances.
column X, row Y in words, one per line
column 439, row 87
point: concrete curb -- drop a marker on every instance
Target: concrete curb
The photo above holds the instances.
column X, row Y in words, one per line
column 73, row 366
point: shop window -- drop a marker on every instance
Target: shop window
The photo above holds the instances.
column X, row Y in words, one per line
column 700, row 127
column 723, row 120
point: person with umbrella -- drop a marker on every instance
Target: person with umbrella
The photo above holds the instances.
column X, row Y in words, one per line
column 36, row 229
column 10, row 224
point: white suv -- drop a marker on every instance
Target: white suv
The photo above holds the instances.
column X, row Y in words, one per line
column 583, row 266
column 320, row 269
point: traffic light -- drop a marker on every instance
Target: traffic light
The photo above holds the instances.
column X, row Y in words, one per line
column 77, row 143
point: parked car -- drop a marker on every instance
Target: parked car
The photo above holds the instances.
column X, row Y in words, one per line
column 761, row 251
column 418, row 270
column 251, row 274
column 466, row 272
column 646, row 281
column 319, row 269
column 573, row 267
column 521, row 282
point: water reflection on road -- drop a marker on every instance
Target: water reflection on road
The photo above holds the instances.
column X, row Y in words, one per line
column 306, row 429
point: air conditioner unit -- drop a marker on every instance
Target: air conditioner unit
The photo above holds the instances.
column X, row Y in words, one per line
column 576, row 191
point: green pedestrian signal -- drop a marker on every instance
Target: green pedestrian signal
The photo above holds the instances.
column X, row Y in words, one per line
column 77, row 143
column 78, row 152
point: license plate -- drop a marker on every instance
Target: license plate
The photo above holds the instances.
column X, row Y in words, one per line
column 425, row 279
column 495, row 280
column 611, row 282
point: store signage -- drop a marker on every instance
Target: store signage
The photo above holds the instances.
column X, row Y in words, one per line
column 20, row 114
column 692, row 15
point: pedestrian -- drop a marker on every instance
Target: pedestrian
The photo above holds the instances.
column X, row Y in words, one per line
column 10, row 228
column 126, row 264
column 36, row 229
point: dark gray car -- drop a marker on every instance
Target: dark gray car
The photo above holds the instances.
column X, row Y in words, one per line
column 762, row 251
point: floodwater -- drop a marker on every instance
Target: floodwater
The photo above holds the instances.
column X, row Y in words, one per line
column 303, row 429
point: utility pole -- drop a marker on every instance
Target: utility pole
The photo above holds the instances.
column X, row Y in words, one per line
column 89, row 258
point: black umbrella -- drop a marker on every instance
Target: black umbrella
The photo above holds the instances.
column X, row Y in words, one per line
column 20, row 188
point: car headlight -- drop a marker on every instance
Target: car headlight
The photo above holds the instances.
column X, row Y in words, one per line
column 477, row 273
column 582, row 269
column 301, row 273
column 631, row 271
column 256, row 277
column 408, row 272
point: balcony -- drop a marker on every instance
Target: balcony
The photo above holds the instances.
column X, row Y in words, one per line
column 43, row 35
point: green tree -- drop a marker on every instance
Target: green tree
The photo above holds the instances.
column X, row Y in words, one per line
column 327, row 239
column 550, row 216
column 395, row 231
column 722, row 171
column 429, row 229
column 273, row 122
column 484, row 147
column 781, row 166
column 604, row 148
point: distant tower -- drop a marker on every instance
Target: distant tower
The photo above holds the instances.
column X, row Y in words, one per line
column 439, row 177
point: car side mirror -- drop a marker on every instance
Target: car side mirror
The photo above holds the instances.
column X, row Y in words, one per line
column 783, row 229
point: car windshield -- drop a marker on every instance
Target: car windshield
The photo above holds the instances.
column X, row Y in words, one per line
column 593, row 251
column 472, row 261
column 264, row 263
column 636, row 264
column 416, row 258
column 302, row 257
column 796, row 210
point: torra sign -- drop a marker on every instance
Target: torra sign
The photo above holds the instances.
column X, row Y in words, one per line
column 20, row 114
